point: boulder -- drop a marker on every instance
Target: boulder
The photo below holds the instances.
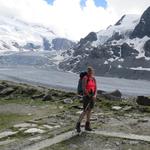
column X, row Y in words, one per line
column 116, row 93
column 142, row 100
column 47, row 97
column 2, row 87
column 28, row 91
column 7, row 91
column 68, row 101
column 100, row 92
column 37, row 96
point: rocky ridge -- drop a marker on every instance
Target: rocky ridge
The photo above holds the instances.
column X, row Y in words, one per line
column 122, row 50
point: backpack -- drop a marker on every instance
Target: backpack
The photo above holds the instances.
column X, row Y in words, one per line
column 79, row 89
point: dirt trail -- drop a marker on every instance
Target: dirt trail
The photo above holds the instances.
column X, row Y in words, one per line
column 70, row 134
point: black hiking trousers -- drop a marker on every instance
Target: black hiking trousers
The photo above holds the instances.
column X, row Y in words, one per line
column 86, row 101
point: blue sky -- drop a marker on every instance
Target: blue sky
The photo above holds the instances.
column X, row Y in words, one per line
column 98, row 3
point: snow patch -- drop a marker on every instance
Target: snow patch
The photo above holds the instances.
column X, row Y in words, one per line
column 111, row 59
column 121, row 60
column 136, row 43
column 119, row 66
column 127, row 25
column 14, row 34
column 141, row 68
column 106, row 62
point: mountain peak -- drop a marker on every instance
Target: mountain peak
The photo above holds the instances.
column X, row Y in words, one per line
column 120, row 20
column 18, row 35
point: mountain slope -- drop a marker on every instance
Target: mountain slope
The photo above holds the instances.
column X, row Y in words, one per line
column 16, row 35
column 116, row 51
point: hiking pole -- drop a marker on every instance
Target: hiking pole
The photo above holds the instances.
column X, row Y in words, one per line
column 83, row 113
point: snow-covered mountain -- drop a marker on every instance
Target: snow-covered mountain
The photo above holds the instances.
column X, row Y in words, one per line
column 122, row 50
column 16, row 35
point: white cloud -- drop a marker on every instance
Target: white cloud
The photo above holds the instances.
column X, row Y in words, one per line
column 122, row 7
column 67, row 18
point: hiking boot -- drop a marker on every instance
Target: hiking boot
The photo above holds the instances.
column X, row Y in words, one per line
column 87, row 126
column 78, row 127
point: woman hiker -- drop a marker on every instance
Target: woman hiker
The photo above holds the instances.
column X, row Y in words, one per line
column 89, row 88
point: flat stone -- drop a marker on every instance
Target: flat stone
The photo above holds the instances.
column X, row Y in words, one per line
column 29, row 114
column 127, row 108
column 68, row 101
column 35, row 138
column 122, row 135
column 7, row 133
column 79, row 112
column 142, row 121
column 93, row 119
column 6, row 142
column 48, row 126
column 133, row 142
column 116, row 108
column 25, row 125
column 22, row 129
column 65, row 136
column 32, row 121
column 61, row 107
column 34, row 130
column 57, row 126
column 48, row 142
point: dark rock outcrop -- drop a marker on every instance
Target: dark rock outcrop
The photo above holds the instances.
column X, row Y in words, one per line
column 89, row 38
column 116, row 36
column 62, row 44
column 46, row 44
column 31, row 46
column 119, row 22
column 143, row 28
column 7, row 91
column 127, row 51
column 147, row 48
column 38, row 96
column 142, row 100
column 101, row 52
column 114, row 54
column 114, row 95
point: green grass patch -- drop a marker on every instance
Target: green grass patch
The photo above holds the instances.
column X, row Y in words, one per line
column 7, row 119
column 26, row 101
